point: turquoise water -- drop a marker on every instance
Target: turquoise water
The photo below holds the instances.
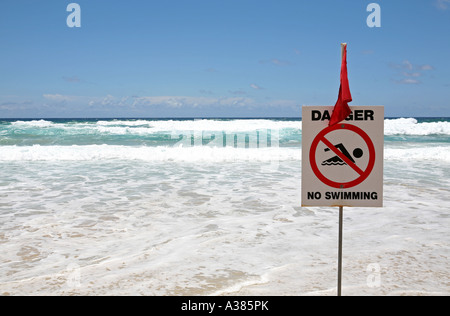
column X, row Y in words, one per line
column 148, row 132
column 134, row 132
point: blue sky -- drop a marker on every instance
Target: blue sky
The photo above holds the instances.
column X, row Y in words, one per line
column 220, row 58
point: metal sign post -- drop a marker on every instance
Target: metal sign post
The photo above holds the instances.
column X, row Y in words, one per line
column 339, row 286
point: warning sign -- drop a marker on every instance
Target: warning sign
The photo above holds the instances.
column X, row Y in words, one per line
column 342, row 165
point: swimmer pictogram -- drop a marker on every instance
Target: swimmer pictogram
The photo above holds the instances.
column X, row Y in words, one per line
column 336, row 161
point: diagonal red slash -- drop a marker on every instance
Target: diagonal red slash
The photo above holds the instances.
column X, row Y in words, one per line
column 342, row 156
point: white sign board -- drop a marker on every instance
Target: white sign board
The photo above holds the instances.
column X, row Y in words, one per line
column 342, row 165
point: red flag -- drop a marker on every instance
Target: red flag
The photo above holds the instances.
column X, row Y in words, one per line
column 341, row 108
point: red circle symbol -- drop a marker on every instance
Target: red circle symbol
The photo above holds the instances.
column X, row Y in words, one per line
column 363, row 174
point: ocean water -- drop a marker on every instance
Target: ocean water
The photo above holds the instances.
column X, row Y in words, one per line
column 212, row 207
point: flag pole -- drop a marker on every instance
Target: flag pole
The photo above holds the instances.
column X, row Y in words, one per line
column 341, row 215
column 342, row 49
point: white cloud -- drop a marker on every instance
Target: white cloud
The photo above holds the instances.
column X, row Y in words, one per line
column 137, row 104
column 426, row 67
column 59, row 97
column 73, row 79
column 407, row 65
column 283, row 103
column 256, row 87
column 171, row 101
column 241, row 102
column 442, row 4
column 237, row 92
column 15, row 106
column 409, row 72
column 412, row 74
column 192, row 102
column 408, row 81
column 110, row 101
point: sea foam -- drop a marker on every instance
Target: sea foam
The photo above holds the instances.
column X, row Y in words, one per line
column 192, row 154
column 410, row 126
column 160, row 153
